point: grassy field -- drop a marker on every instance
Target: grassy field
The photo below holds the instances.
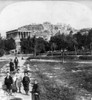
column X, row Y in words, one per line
column 2, row 63
column 59, row 81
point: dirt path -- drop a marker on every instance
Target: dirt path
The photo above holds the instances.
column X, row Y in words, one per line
column 16, row 96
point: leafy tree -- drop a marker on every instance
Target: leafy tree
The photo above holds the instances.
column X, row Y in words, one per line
column 2, row 52
column 2, row 43
column 89, row 38
column 10, row 44
column 27, row 45
column 72, row 43
column 34, row 45
column 83, row 40
column 41, row 45
column 60, row 41
column 53, row 46
column 2, row 47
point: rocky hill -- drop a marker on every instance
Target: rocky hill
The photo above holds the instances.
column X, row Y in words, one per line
column 46, row 30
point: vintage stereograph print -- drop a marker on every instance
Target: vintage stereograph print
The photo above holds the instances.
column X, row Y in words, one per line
column 45, row 50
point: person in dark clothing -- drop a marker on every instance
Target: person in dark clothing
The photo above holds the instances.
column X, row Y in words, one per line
column 11, row 64
column 26, row 81
column 35, row 91
column 8, row 82
column 16, row 62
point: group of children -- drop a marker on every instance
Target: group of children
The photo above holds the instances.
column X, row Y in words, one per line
column 14, row 81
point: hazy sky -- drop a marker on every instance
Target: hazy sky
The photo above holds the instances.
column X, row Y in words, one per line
column 14, row 14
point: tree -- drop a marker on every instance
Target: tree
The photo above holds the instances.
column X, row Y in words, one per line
column 53, row 47
column 89, row 40
column 27, row 45
column 10, row 44
column 34, row 45
column 60, row 41
column 2, row 43
column 2, row 47
column 72, row 43
column 41, row 45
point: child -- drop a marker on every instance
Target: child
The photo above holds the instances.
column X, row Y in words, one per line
column 26, row 81
column 8, row 82
column 35, row 91
column 19, row 81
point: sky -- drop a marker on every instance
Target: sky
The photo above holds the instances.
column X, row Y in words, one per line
column 17, row 13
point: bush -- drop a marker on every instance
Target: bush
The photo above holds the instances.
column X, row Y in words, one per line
column 85, row 57
column 2, row 52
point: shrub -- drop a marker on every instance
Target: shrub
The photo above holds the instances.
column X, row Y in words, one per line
column 2, row 52
column 85, row 57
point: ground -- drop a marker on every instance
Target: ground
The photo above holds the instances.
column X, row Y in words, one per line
column 70, row 80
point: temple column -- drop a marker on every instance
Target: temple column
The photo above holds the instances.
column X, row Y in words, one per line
column 28, row 34
column 18, row 35
column 21, row 35
column 24, row 34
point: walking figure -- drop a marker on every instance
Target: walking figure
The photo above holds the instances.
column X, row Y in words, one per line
column 8, row 81
column 26, row 82
column 16, row 62
column 11, row 65
column 35, row 91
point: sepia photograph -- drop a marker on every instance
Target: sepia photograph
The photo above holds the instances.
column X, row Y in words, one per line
column 45, row 50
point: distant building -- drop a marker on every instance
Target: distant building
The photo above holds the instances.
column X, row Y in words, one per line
column 17, row 35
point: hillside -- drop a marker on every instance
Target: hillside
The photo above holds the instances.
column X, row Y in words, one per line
column 46, row 30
